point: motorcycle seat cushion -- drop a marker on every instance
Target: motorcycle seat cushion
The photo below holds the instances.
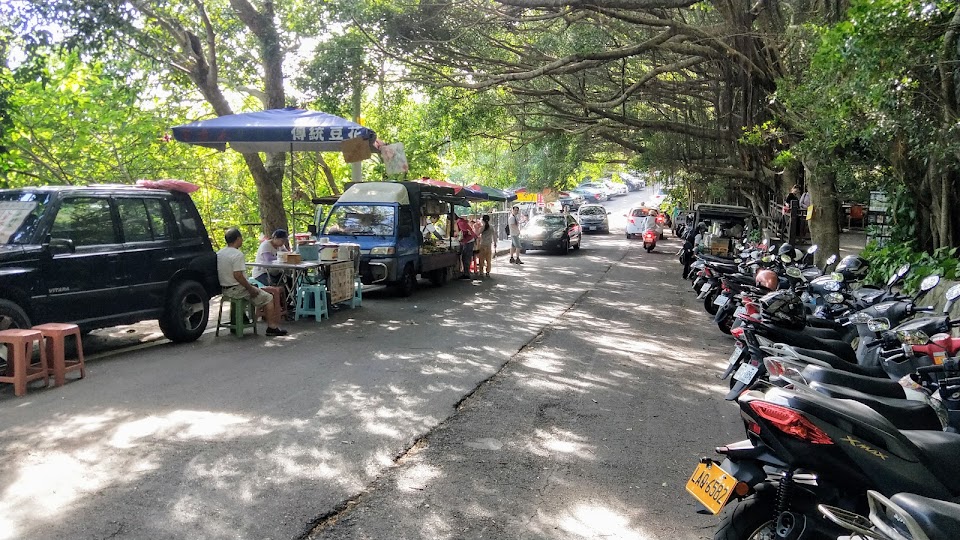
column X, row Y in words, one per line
column 939, row 519
column 939, row 451
column 807, row 341
column 840, row 363
column 875, row 386
column 902, row 413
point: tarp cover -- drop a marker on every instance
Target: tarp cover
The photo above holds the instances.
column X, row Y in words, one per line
column 274, row 130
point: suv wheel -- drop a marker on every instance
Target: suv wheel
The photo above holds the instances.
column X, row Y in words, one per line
column 11, row 316
column 186, row 313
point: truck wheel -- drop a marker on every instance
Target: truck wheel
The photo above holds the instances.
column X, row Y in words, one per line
column 408, row 281
column 185, row 317
column 439, row 276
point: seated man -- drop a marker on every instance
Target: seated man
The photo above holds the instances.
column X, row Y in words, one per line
column 231, row 269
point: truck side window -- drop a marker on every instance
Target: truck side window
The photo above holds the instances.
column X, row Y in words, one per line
column 185, row 219
column 85, row 220
column 134, row 220
column 406, row 223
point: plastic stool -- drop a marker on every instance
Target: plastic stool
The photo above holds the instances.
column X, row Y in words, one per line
column 54, row 338
column 312, row 300
column 236, row 324
column 357, row 299
column 20, row 367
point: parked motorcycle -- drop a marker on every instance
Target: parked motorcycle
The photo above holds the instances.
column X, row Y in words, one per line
column 904, row 516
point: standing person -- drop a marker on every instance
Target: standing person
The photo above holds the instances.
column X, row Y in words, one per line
column 794, row 195
column 267, row 253
column 230, row 271
column 513, row 222
column 488, row 244
column 467, row 238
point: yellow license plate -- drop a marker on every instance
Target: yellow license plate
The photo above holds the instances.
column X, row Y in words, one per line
column 711, row 485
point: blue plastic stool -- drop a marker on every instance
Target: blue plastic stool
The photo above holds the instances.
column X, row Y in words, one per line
column 357, row 299
column 312, row 300
column 235, row 323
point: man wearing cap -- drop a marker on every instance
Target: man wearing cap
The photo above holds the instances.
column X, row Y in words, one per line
column 267, row 253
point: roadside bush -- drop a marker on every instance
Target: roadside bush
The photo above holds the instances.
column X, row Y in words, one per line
column 887, row 258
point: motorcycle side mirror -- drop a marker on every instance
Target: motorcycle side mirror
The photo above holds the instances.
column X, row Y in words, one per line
column 767, row 258
column 902, row 271
column 952, row 294
column 830, row 260
column 894, row 278
column 771, row 248
column 837, row 276
column 786, row 258
column 812, row 249
column 794, row 272
column 912, row 337
column 929, row 283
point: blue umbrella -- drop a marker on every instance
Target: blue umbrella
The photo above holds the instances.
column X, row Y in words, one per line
column 274, row 130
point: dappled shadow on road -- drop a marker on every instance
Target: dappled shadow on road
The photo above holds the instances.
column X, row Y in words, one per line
column 590, row 433
column 223, row 438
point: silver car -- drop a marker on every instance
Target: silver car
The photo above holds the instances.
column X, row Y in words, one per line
column 593, row 218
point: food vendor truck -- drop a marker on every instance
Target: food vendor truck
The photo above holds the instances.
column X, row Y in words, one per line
column 404, row 230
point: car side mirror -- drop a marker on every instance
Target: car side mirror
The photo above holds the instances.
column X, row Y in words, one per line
column 61, row 245
column 608, row 213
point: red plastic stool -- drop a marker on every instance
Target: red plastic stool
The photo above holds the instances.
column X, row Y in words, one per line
column 20, row 367
column 54, row 337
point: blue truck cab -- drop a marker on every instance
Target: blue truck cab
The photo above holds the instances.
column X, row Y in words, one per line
column 388, row 221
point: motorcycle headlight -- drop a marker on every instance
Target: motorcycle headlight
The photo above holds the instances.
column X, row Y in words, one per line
column 859, row 318
column 383, row 250
column 878, row 325
column 833, row 298
column 831, row 286
column 912, row 337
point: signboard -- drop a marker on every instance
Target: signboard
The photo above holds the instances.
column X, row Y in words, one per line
column 340, row 284
column 527, row 197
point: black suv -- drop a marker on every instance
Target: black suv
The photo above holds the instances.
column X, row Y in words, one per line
column 101, row 256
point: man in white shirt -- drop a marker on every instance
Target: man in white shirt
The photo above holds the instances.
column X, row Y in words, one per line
column 513, row 222
column 231, row 272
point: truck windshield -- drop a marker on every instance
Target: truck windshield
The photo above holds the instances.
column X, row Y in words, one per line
column 20, row 213
column 361, row 220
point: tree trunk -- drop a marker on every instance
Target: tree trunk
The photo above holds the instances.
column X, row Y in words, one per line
column 825, row 226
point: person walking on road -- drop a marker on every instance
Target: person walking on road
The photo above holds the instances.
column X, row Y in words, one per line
column 488, row 244
column 513, row 223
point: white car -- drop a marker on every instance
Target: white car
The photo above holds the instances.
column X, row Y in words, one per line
column 639, row 221
column 615, row 188
column 658, row 197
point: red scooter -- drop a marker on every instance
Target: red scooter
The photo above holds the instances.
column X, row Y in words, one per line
column 649, row 240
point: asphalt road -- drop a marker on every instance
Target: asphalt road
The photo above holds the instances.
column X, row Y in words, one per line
column 567, row 398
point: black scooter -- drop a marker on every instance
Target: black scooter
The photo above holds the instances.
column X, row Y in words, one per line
column 805, row 449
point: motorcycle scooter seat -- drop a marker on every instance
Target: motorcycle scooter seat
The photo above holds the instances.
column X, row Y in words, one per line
column 807, row 341
column 874, row 386
column 840, row 364
column 939, row 519
column 902, row 413
column 939, row 450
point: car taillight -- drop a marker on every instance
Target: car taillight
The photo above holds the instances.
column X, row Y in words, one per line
column 631, row 220
column 661, row 219
column 790, row 422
